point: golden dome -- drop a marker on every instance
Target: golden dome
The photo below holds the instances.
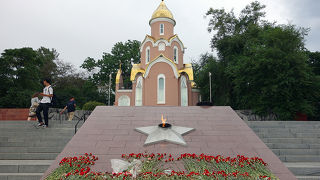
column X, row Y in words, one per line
column 162, row 12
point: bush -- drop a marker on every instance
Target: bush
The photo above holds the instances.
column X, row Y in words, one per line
column 91, row 105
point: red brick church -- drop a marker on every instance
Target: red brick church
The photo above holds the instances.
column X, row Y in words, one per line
column 161, row 78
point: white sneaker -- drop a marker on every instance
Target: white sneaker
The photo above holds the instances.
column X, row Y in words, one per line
column 44, row 126
column 40, row 124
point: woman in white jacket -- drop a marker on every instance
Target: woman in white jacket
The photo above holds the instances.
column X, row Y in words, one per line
column 34, row 104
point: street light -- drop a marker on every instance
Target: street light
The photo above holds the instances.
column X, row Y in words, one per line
column 109, row 89
column 210, row 86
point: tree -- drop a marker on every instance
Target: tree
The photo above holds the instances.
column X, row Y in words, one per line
column 264, row 64
column 22, row 71
column 19, row 76
column 314, row 61
column 221, row 83
column 125, row 54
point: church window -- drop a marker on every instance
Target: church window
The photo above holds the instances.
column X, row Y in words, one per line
column 161, row 89
column 175, row 54
column 161, row 29
column 184, row 91
column 139, row 92
column 148, row 55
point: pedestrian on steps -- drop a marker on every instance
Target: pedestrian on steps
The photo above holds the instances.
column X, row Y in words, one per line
column 45, row 103
column 71, row 107
column 34, row 104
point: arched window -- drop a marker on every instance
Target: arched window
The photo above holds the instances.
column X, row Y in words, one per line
column 147, row 54
column 139, row 92
column 161, row 29
column 161, row 89
column 184, row 91
column 175, row 54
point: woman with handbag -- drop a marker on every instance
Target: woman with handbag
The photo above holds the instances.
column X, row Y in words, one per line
column 34, row 104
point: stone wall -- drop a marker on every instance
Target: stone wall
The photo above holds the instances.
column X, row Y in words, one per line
column 14, row 114
column 248, row 115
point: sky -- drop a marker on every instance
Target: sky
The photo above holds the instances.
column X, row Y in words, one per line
column 78, row 29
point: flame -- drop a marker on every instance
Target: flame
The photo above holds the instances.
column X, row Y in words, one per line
column 163, row 121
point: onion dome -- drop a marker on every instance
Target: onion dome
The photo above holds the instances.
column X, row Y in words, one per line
column 162, row 12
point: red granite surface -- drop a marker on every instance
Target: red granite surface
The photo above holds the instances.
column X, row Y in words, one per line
column 109, row 132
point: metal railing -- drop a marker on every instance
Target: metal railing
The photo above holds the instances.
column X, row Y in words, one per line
column 83, row 117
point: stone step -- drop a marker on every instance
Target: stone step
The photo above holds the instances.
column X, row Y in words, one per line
column 299, row 158
column 287, row 135
column 28, row 156
column 36, row 135
column 265, row 123
column 20, row 124
column 288, row 146
column 43, row 143
column 275, row 135
column 308, row 177
column 39, row 139
column 55, row 149
column 24, row 166
column 293, row 131
column 296, row 151
column 288, row 126
column 28, row 126
column 308, row 135
column 53, row 121
column 304, row 168
column 20, row 176
column 292, row 140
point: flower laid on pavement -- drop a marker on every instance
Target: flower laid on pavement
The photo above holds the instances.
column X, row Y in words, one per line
column 166, row 166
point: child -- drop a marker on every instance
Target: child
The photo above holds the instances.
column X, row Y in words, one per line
column 34, row 104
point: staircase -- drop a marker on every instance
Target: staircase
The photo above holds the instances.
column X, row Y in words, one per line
column 26, row 151
column 296, row 143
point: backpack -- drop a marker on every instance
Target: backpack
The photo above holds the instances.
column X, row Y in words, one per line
column 54, row 101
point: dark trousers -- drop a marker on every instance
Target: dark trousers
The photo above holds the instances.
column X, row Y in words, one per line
column 45, row 108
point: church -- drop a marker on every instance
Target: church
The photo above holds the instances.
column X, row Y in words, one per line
column 161, row 78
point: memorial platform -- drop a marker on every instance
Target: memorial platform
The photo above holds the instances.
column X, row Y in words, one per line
column 110, row 132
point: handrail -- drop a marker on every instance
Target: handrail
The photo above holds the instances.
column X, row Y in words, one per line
column 83, row 117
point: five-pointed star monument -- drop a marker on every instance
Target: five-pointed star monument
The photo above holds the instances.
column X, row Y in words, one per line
column 157, row 134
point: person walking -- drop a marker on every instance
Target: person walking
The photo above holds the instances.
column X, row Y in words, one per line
column 71, row 107
column 34, row 104
column 45, row 103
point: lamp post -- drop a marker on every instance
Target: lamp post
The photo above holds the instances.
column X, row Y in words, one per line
column 210, row 86
column 109, row 89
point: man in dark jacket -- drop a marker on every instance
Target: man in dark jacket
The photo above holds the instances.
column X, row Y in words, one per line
column 71, row 107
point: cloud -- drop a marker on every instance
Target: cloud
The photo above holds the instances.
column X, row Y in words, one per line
column 82, row 28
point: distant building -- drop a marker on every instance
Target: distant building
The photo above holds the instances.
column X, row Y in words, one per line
column 161, row 78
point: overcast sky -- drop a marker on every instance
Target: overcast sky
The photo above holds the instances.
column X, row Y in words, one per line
column 86, row 28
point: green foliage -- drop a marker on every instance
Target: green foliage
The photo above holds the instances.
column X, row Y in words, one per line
column 314, row 61
column 125, row 54
column 19, row 76
column 262, row 66
column 22, row 71
column 91, row 105
column 221, row 83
